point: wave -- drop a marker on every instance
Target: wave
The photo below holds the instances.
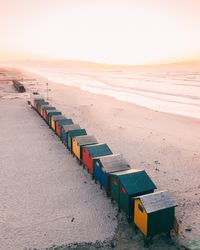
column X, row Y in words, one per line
column 168, row 91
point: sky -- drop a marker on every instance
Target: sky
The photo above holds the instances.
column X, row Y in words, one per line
column 106, row 31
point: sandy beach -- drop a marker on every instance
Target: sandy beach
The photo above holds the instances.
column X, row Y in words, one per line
column 42, row 188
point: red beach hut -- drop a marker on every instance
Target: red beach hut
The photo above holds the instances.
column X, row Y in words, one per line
column 93, row 152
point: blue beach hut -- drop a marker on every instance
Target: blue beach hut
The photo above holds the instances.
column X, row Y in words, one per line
column 106, row 165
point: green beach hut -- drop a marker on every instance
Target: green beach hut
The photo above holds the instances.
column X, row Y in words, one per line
column 127, row 184
column 154, row 213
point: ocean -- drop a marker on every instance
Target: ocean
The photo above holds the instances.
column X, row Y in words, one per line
column 173, row 89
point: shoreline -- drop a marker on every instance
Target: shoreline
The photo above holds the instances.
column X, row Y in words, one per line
column 154, row 99
column 44, row 79
column 165, row 145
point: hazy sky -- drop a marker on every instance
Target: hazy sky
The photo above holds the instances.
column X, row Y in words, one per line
column 108, row 31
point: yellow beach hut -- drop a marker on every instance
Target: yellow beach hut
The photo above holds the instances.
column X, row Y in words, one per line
column 54, row 118
column 154, row 213
column 79, row 141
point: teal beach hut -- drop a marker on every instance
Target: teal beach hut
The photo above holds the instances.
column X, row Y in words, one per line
column 66, row 129
column 74, row 133
column 126, row 185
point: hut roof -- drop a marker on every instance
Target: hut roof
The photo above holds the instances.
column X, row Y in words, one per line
column 71, row 127
column 58, row 117
column 53, row 111
column 45, row 107
column 157, row 201
column 115, row 162
column 98, row 150
column 86, row 139
column 44, row 104
column 65, row 122
column 135, row 181
column 41, row 100
column 77, row 132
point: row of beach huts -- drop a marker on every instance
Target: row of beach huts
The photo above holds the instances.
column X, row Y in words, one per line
column 133, row 190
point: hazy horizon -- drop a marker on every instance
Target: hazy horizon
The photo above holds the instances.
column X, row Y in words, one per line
column 123, row 32
column 84, row 62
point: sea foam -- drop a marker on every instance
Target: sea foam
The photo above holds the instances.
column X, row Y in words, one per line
column 172, row 91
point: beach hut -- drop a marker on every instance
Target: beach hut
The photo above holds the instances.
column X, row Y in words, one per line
column 79, row 141
column 72, row 134
column 54, row 118
column 65, row 129
column 106, row 165
column 154, row 213
column 51, row 114
column 60, row 123
column 126, row 185
column 36, row 101
column 44, row 111
column 39, row 104
column 91, row 153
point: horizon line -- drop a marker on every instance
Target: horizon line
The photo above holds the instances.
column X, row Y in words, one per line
column 99, row 63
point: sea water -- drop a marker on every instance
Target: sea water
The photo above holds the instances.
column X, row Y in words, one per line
column 164, row 89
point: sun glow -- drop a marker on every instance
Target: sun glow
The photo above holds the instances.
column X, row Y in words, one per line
column 117, row 32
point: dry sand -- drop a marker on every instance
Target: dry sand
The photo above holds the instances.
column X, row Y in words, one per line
column 45, row 196
column 43, row 188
